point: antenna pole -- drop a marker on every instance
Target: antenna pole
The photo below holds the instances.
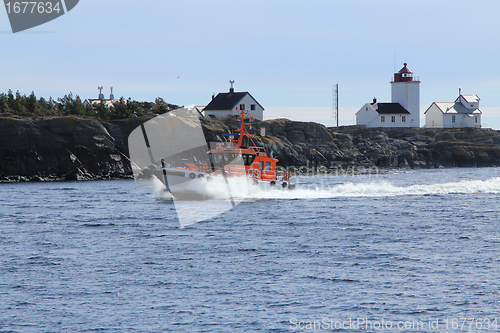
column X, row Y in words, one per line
column 336, row 103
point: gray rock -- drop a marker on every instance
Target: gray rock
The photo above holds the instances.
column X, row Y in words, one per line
column 68, row 148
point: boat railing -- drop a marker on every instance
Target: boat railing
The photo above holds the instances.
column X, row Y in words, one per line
column 258, row 149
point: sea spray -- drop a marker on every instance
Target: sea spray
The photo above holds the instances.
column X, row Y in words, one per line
column 217, row 201
column 243, row 189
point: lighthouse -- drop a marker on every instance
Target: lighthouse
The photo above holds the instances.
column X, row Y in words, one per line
column 405, row 90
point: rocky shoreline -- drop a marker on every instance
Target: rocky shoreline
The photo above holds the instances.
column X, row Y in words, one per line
column 61, row 149
column 69, row 148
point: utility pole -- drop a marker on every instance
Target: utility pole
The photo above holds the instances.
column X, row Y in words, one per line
column 336, row 103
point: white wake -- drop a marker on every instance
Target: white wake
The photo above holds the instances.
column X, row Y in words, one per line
column 241, row 189
column 384, row 188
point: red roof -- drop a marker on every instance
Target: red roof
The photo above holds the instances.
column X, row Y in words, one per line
column 405, row 69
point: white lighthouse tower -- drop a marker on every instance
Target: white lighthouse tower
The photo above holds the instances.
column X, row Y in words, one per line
column 405, row 90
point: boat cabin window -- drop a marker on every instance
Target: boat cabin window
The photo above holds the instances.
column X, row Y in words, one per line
column 268, row 165
column 245, row 141
column 219, row 159
column 261, row 165
column 248, row 159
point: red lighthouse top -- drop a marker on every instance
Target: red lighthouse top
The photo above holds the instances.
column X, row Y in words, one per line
column 404, row 75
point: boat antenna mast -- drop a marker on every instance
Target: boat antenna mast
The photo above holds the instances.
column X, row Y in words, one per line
column 242, row 130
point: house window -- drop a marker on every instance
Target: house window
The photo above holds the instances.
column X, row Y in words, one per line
column 242, row 106
column 453, row 119
column 382, row 119
column 476, row 119
column 393, row 119
column 252, row 107
column 403, row 119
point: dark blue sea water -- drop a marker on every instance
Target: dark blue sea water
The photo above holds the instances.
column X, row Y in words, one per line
column 414, row 249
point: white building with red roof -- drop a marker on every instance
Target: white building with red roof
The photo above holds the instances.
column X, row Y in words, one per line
column 404, row 109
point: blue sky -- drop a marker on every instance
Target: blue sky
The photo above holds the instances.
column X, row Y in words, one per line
column 287, row 53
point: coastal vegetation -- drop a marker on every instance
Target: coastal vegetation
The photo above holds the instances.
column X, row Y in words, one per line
column 30, row 106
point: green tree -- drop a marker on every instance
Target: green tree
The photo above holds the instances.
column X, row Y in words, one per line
column 64, row 104
column 134, row 108
column 4, row 106
column 43, row 106
column 77, row 108
column 31, row 103
column 161, row 106
column 51, row 104
column 19, row 104
column 120, row 110
column 10, row 99
column 70, row 106
column 29, row 106
column 89, row 111
column 102, row 110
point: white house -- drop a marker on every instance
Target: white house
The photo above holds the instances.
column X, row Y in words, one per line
column 232, row 103
column 383, row 115
column 464, row 112
column 403, row 111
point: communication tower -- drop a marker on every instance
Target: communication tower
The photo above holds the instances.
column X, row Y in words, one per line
column 336, row 103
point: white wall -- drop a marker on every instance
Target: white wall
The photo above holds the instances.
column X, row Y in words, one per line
column 478, row 124
column 398, row 121
column 258, row 113
column 371, row 118
column 470, row 106
column 448, row 120
column 461, row 120
column 366, row 115
column 435, row 120
column 408, row 95
column 433, row 117
column 217, row 113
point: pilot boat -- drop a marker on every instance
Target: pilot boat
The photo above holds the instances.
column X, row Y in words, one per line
column 173, row 149
column 257, row 164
